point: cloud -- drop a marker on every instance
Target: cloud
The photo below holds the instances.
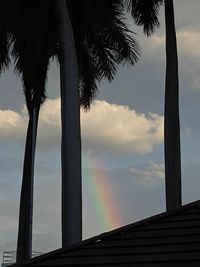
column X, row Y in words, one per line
column 150, row 174
column 12, row 125
column 187, row 39
column 188, row 42
column 106, row 126
column 120, row 128
column 157, row 41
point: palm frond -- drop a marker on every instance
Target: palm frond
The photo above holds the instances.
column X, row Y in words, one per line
column 4, row 47
column 88, row 78
column 145, row 13
column 32, row 31
column 102, row 44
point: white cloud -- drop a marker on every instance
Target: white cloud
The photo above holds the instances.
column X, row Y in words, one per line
column 12, row 125
column 188, row 40
column 120, row 128
column 151, row 174
column 157, row 41
column 106, row 126
column 188, row 43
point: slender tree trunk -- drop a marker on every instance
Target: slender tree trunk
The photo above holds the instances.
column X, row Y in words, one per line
column 172, row 124
column 24, row 244
column 71, row 140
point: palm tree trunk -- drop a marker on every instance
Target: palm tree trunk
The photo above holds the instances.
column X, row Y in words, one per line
column 71, row 140
column 24, row 244
column 172, row 124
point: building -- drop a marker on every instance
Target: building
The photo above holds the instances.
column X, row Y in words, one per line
column 168, row 239
column 9, row 257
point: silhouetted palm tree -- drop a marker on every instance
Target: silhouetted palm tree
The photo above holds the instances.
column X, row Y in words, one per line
column 90, row 50
column 30, row 50
column 145, row 13
column 93, row 53
column 172, row 122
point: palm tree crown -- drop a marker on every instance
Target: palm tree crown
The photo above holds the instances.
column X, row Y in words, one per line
column 101, row 44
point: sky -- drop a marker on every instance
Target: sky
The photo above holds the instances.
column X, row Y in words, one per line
column 122, row 141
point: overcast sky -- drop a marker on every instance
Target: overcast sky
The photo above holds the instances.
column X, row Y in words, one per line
column 122, row 135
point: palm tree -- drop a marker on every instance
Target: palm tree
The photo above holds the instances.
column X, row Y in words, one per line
column 31, row 62
column 172, row 122
column 5, row 41
column 71, row 137
column 34, row 42
column 145, row 13
column 89, row 51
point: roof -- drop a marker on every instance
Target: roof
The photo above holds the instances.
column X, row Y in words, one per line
column 168, row 239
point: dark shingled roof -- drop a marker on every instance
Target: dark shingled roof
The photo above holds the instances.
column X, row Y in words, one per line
column 168, row 239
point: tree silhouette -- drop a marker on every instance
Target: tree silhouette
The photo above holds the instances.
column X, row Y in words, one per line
column 145, row 14
column 100, row 47
column 172, row 124
column 39, row 30
column 30, row 51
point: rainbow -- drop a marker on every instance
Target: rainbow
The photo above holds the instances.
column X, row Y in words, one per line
column 101, row 196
